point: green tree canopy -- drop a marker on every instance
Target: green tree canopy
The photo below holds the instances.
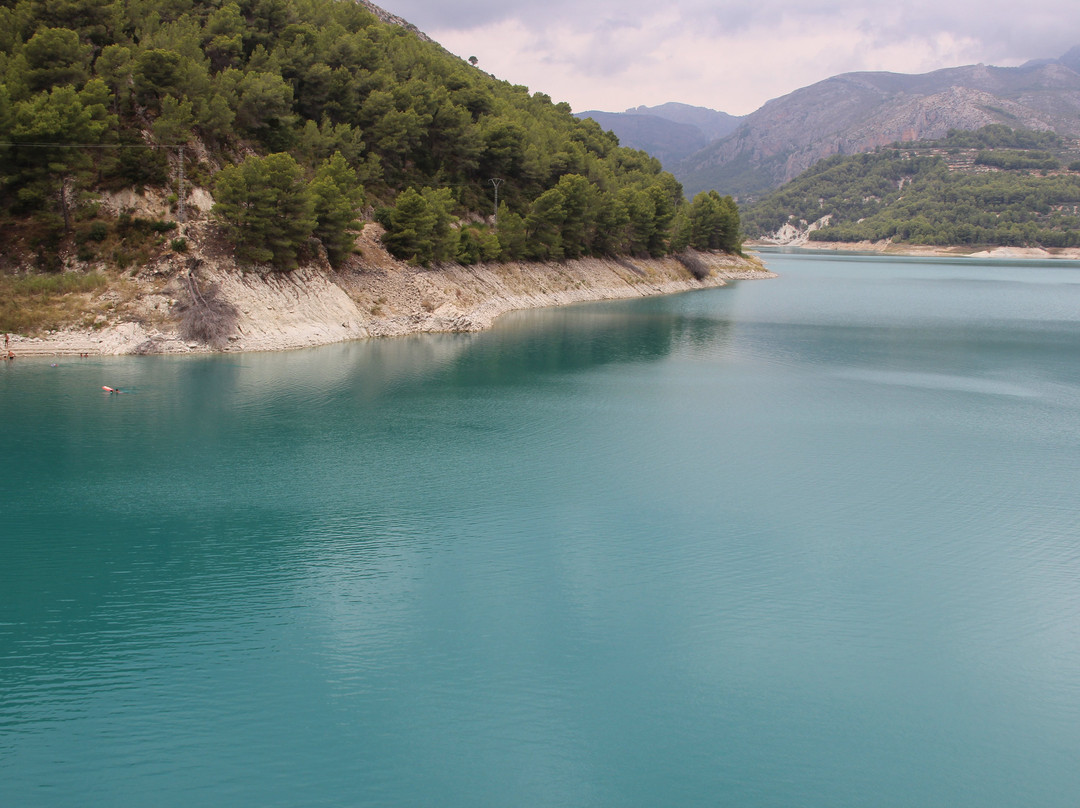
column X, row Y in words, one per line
column 418, row 226
column 266, row 208
column 55, row 57
column 713, row 222
column 337, row 197
column 55, row 127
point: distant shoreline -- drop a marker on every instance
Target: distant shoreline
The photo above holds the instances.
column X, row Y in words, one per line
column 916, row 250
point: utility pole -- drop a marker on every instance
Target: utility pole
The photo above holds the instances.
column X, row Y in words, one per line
column 496, row 182
column 180, row 195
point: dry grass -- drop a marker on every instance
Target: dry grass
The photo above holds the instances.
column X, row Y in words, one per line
column 33, row 303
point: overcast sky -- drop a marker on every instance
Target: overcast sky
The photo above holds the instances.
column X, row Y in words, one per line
column 732, row 56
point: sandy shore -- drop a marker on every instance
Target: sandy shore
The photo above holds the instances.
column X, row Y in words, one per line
column 375, row 296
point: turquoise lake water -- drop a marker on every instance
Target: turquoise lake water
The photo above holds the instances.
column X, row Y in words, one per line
column 811, row 541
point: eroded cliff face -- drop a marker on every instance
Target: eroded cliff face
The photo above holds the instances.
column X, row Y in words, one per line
column 374, row 296
column 858, row 112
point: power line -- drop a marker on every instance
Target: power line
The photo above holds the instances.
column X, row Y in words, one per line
column 97, row 145
column 496, row 181
column 180, row 147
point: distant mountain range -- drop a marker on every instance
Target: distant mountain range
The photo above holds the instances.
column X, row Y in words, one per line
column 848, row 114
column 670, row 132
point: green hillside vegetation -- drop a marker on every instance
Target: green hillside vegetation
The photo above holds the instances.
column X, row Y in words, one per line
column 993, row 187
column 296, row 114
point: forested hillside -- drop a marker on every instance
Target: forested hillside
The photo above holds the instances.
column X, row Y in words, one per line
column 298, row 115
column 995, row 186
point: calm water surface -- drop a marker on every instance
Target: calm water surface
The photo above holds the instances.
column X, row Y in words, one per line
column 812, row 541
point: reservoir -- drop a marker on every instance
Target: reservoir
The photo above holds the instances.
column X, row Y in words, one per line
column 810, row 541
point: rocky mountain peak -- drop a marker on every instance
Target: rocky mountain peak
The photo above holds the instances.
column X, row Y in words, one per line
column 1071, row 59
column 392, row 19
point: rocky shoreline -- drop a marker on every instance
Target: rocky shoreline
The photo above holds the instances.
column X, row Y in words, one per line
column 374, row 296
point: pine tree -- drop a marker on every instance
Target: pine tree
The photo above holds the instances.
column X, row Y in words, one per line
column 266, row 209
column 410, row 225
column 337, row 197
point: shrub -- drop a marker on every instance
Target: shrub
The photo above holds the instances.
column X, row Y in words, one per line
column 693, row 263
column 205, row 317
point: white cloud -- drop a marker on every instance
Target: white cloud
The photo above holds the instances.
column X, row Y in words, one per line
column 614, row 55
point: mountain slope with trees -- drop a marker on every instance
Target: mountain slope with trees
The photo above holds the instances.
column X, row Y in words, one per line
column 992, row 187
column 295, row 113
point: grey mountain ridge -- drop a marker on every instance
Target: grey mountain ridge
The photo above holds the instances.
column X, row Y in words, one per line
column 713, row 124
column 666, row 140
column 858, row 112
column 670, row 132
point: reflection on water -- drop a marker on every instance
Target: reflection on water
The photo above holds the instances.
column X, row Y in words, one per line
column 582, row 338
column 941, row 381
column 809, row 541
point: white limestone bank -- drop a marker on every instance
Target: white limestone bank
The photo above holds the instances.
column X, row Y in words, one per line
column 374, row 296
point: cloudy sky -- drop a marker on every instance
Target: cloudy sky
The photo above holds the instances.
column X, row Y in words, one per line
column 733, row 56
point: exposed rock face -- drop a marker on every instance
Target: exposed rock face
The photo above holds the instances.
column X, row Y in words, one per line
column 789, row 235
column 857, row 112
column 392, row 19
